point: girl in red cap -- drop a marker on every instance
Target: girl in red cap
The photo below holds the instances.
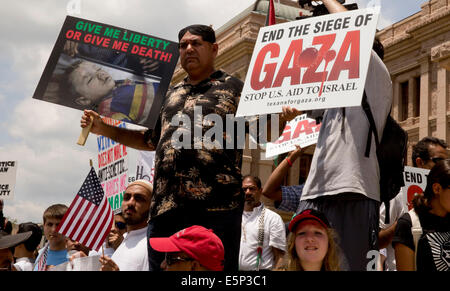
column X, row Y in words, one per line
column 312, row 245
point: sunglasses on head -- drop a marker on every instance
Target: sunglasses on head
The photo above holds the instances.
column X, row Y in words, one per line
column 172, row 259
column 121, row 225
column 435, row 160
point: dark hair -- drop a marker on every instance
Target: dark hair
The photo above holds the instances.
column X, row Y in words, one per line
column 255, row 179
column 33, row 241
column 440, row 174
column 420, row 150
column 378, row 47
column 206, row 32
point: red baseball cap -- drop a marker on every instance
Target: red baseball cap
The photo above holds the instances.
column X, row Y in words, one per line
column 308, row 214
column 197, row 242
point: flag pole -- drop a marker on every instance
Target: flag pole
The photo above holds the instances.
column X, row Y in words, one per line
column 91, row 164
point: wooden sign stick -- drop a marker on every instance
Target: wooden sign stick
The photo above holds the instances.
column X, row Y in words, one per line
column 84, row 133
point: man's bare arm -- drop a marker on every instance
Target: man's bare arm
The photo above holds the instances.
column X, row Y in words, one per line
column 333, row 6
column 127, row 137
column 272, row 188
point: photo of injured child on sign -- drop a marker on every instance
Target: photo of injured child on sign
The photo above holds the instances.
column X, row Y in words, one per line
column 119, row 74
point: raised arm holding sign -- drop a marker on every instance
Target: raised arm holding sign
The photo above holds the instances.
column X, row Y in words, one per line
column 342, row 182
column 313, row 63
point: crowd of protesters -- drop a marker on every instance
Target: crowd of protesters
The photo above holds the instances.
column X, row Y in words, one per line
column 202, row 214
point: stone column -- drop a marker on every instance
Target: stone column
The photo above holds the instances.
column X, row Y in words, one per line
column 425, row 96
column 411, row 94
column 442, row 101
column 441, row 55
column 396, row 100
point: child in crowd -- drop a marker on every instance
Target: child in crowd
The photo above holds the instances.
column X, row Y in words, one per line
column 54, row 252
column 312, row 245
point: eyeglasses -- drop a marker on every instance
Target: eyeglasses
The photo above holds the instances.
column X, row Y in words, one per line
column 121, row 225
column 437, row 159
column 170, row 259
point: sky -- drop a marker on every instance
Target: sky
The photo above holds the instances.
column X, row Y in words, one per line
column 42, row 136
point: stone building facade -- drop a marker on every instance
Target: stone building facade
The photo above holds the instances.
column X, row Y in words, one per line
column 417, row 54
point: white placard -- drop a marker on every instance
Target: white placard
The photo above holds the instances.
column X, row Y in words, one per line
column 415, row 183
column 302, row 131
column 314, row 63
column 8, row 170
column 145, row 166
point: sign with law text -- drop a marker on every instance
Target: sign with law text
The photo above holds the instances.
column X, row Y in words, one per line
column 314, row 63
column 8, row 170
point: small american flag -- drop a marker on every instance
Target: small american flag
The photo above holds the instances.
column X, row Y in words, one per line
column 89, row 218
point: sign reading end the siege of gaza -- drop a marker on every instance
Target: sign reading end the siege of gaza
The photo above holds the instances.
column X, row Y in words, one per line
column 314, row 63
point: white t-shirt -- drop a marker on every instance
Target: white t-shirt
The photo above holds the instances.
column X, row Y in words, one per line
column 132, row 254
column 339, row 164
column 24, row 264
column 397, row 207
column 106, row 251
column 274, row 236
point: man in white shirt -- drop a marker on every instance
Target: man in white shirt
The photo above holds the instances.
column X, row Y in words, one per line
column 132, row 253
column 263, row 234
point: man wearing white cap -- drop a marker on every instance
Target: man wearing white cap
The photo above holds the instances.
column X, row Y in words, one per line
column 132, row 253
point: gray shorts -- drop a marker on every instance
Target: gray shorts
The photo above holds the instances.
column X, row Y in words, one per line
column 355, row 218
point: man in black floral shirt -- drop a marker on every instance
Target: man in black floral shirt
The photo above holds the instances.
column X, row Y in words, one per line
column 199, row 182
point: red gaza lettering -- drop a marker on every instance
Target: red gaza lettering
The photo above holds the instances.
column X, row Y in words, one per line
column 352, row 65
column 310, row 75
column 286, row 135
column 269, row 69
column 302, row 127
column 293, row 72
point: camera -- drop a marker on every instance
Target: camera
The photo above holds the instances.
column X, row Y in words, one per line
column 317, row 8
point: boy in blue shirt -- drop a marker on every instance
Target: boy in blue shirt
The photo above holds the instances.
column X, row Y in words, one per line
column 54, row 252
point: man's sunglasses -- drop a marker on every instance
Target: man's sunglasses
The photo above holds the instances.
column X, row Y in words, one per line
column 121, row 225
column 435, row 160
column 171, row 259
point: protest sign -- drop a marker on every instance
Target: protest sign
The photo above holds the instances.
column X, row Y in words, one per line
column 113, row 167
column 415, row 183
column 117, row 72
column 145, row 166
column 8, row 170
column 301, row 131
column 314, row 63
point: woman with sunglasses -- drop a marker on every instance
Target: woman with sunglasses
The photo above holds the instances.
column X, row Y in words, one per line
column 426, row 247
column 312, row 243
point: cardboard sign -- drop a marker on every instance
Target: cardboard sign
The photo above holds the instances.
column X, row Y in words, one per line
column 314, row 63
column 300, row 131
column 113, row 167
column 8, row 170
column 415, row 183
column 117, row 72
column 145, row 166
